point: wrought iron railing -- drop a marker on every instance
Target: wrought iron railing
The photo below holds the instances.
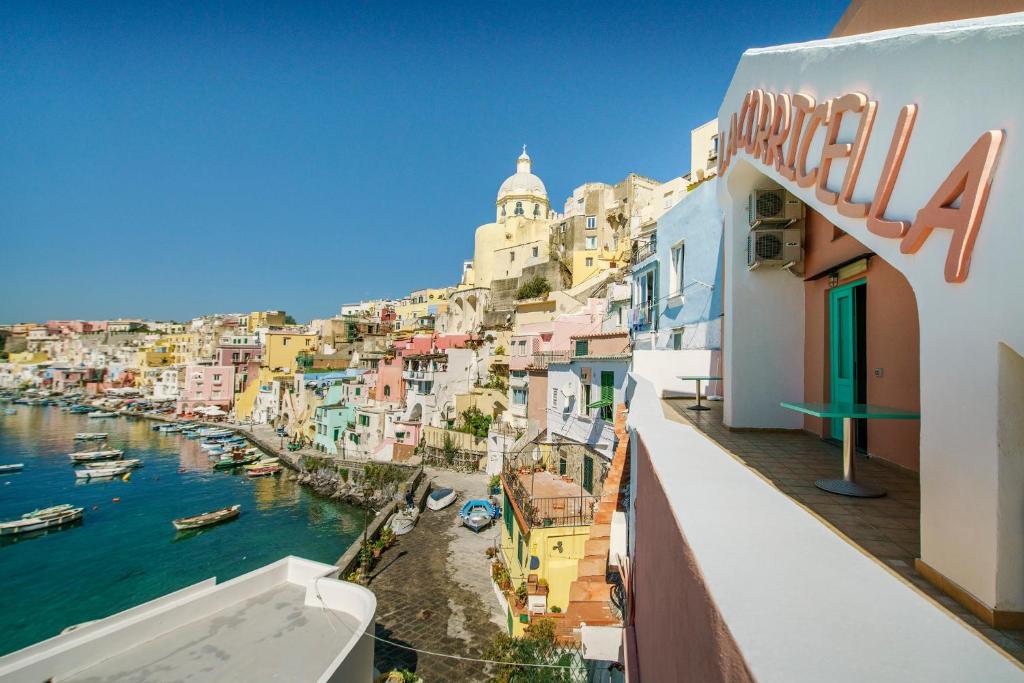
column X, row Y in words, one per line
column 643, row 249
column 550, row 512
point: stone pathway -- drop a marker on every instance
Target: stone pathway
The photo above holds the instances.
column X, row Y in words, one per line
column 433, row 593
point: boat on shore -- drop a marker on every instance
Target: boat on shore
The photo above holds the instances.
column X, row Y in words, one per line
column 29, row 524
column 90, row 436
column 439, row 499
column 207, row 518
column 478, row 513
column 11, row 468
column 92, row 456
column 404, row 520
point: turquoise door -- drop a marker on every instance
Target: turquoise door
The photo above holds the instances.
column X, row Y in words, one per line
column 843, row 348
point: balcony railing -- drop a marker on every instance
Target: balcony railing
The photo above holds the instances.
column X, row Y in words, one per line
column 643, row 249
column 545, row 358
column 550, row 512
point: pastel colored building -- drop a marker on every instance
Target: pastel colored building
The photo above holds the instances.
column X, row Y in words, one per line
column 207, row 385
column 282, row 347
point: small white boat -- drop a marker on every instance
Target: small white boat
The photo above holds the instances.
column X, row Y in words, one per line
column 100, row 413
column 439, row 499
column 92, row 456
column 101, row 472
column 28, row 524
column 90, row 436
column 14, row 467
column 404, row 520
column 46, row 512
column 131, row 463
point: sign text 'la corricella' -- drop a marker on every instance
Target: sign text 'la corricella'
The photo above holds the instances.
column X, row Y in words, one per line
column 777, row 129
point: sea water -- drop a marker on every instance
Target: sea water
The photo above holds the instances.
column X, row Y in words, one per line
column 125, row 551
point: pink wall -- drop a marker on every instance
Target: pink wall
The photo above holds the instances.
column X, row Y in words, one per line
column 677, row 632
column 892, row 342
column 537, row 398
column 245, row 353
column 606, row 344
column 425, row 343
column 202, row 389
column 389, row 374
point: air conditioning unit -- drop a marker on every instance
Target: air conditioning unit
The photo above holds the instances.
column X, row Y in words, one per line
column 774, row 247
column 773, row 206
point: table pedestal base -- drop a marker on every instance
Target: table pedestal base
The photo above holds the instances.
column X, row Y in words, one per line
column 697, row 406
column 849, row 488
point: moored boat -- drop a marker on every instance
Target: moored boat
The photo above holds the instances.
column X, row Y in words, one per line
column 92, row 456
column 10, row 411
column 45, row 512
column 29, row 524
column 228, row 463
column 440, row 498
column 207, row 518
column 259, row 470
column 262, row 462
column 90, row 436
column 100, row 413
column 131, row 463
column 13, row 467
column 101, row 472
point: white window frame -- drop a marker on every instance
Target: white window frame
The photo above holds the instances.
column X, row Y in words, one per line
column 590, row 242
column 589, row 262
column 677, row 268
column 677, row 335
column 591, row 222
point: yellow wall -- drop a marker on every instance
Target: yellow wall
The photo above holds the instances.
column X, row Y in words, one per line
column 245, row 400
column 408, row 312
column 28, row 357
column 484, row 400
column 148, row 358
column 491, row 237
column 180, row 347
column 280, row 348
column 260, row 319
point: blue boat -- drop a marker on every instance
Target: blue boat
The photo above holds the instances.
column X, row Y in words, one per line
column 478, row 513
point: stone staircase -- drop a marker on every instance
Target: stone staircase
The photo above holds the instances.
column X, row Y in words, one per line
column 590, row 594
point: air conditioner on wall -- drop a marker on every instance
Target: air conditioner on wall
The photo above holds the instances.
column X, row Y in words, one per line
column 774, row 247
column 773, row 206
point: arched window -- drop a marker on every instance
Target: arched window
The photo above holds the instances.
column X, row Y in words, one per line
column 387, row 390
column 519, row 208
column 536, row 209
column 502, row 209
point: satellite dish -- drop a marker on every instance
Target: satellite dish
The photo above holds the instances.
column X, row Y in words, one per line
column 566, row 391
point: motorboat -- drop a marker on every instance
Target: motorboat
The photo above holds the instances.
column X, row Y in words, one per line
column 28, row 524
column 261, row 470
column 90, row 436
column 439, row 499
column 207, row 518
column 92, row 456
column 478, row 513
column 131, row 463
column 101, row 472
column 13, row 467
column 404, row 520
column 100, row 413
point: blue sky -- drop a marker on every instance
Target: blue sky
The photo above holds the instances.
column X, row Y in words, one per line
column 170, row 160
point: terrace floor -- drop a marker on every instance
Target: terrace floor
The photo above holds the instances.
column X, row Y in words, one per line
column 887, row 528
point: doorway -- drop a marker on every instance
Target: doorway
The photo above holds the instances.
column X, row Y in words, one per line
column 848, row 353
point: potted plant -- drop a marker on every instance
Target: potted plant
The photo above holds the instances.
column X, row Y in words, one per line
column 376, row 548
column 521, row 593
column 387, row 537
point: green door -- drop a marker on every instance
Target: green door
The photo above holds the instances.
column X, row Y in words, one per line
column 843, row 348
column 588, row 474
column 607, row 394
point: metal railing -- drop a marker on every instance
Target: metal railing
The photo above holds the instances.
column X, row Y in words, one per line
column 543, row 358
column 643, row 249
column 550, row 512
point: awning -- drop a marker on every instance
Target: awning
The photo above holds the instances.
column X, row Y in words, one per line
column 602, row 403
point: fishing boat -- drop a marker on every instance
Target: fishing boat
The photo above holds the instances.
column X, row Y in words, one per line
column 404, row 520
column 260, row 470
column 14, row 467
column 228, row 463
column 37, row 523
column 100, row 413
column 478, row 513
column 207, row 518
column 90, row 436
column 439, row 499
column 92, row 456
column 101, row 472
column 52, row 510
column 131, row 463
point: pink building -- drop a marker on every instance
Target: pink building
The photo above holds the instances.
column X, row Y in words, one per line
column 390, row 386
column 244, row 358
column 207, row 385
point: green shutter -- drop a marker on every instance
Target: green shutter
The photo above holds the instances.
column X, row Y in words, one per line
column 588, row 474
column 507, row 514
column 582, row 347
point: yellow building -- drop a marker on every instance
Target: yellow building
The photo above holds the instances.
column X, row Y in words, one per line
column 422, row 302
column 180, row 346
column 264, row 319
column 281, row 346
column 519, row 235
column 28, row 357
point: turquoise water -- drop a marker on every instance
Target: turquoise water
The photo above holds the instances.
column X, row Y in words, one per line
column 126, row 553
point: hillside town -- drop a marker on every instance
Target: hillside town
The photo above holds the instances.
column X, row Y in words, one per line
column 729, row 432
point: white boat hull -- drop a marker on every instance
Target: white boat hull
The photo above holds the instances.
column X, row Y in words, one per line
column 441, row 503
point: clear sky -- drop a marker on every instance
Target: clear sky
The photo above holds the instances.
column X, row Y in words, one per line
column 170, row 160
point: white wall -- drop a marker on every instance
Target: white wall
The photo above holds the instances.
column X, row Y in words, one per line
column 663, row 369
column 966, row 79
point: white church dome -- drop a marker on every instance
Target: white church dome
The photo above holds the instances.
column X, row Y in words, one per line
column 522, row 182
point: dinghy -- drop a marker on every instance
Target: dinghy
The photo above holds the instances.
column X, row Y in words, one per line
column 478, row 513
column 92, row 456
column 29, row 524
column 404, row 521
column 439, row 499
column 13, row 467
column 90, row 436
column 207, row 518
column 101, row 472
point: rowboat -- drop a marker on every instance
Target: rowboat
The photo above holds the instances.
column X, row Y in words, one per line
column 92, row 456
column 29, row 524
column 207, row 518
column 131, row 462
column 90, row 436
column 14, row 467
column 403, row 521
column 477, row 514
column 440, row 498
column 228, row 463
column 101, row 472
column 260, row 470
column 100, row 413
column 262, row 462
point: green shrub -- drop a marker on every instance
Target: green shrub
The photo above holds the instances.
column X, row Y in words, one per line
column 532, row 288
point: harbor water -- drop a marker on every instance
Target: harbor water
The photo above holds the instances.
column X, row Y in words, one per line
column 125, row 551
